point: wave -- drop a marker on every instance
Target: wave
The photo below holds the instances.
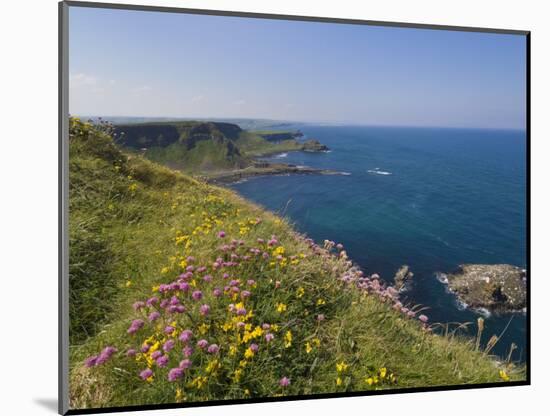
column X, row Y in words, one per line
column 345, row 173
column 377, row 171
column 280, row 156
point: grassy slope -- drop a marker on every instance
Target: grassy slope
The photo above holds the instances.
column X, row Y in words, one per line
column 127, row 220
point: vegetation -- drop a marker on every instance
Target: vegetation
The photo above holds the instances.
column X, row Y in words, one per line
column 204, row 147
column 183, row 291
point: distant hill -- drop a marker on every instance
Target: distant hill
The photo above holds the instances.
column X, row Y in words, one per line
column 203, row 146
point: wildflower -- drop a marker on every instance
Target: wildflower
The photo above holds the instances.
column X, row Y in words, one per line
column 320, row 317
column 185, row 364
column 217, row 292
column 300, row 292
column 281, row 307
column 288, row 339
column 162, row 361
column 207, row 278
column 153, row 316
column 197, row 295
column 423, row 318
column 245, row 294
column 204, row 310
column 221, row 234
column 202, row 343
column 135, row 326
column 383, row 372
column 269, row 337
column 131, row 352
column 284, row 382
column 90, row 361
column 248, row 353
column 213, row 349
column 175, row 373
column 168, row 345
column 152, row 301
column 338, row 381
column 341, row 367
column 503, row 375
column 146, row 374
column 186, row 335
column 138, row 305
column 187, row 351
column 254, row 348
column 156, row 354
column 308, row 348
column 320, row 302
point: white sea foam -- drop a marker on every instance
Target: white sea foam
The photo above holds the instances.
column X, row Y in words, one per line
column 377, row 171
column 442, row 277
column 483, row 312
column 282, row 155
column 345, row 173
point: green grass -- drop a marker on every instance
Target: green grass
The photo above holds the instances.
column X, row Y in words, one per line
column 133, row 222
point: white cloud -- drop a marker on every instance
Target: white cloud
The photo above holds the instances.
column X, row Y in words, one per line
column 197, row 98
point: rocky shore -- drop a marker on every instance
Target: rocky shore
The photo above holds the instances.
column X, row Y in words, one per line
column 262, row 169
column 495, row 287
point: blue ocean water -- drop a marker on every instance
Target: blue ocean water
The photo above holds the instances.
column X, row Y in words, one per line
column 432, row 198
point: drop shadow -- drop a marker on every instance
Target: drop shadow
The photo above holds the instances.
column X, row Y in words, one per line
column 49, row 404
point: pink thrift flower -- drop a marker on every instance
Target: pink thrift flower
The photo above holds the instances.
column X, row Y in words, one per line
column 284, row 382
column 175, row 373
column 213, row 349
column 145, row 374
column 202, row 344
column 186, row 335
column 204, row 310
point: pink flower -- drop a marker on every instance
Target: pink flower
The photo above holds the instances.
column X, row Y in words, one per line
column 175, row 373
column 168, row 345
column 217, row 292
column 162, row 361
column 187, row 351
column 221, row 234
column 153, row 316
column 284, row 382
column 202, row 344
column 138, row 305
column 213, row 349
column 197, row 295
column 169, row 329
column 254, row 348
column 186, row 335
column 185, row 364
column 207, row 278
column 269, row 337
column 145, row 374
column 204, row 310
column 423, row 318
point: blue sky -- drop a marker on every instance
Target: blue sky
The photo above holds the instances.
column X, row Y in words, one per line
column 135, row 63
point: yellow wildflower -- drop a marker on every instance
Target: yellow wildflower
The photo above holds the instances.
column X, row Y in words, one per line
column 288, row 339
column 128, row 283
column 383, row 371
column 300, row 292
column 341, row 367
column 338, row 381
column 320, row 301
column 281, row 307
column 308, row 348
column 164, row 270
column 503, row 375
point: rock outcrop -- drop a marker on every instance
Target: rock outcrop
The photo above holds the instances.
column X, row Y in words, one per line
column 496, row 287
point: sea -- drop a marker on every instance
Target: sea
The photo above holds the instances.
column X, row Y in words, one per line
column 431, row 198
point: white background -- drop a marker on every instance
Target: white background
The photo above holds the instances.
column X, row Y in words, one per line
column 28, row 217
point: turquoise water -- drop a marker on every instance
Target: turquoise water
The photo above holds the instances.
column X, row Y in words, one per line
column 430, row 198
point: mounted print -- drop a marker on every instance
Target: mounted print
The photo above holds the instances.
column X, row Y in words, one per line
column 263, row 207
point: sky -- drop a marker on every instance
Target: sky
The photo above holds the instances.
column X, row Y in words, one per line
column 154, row 64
